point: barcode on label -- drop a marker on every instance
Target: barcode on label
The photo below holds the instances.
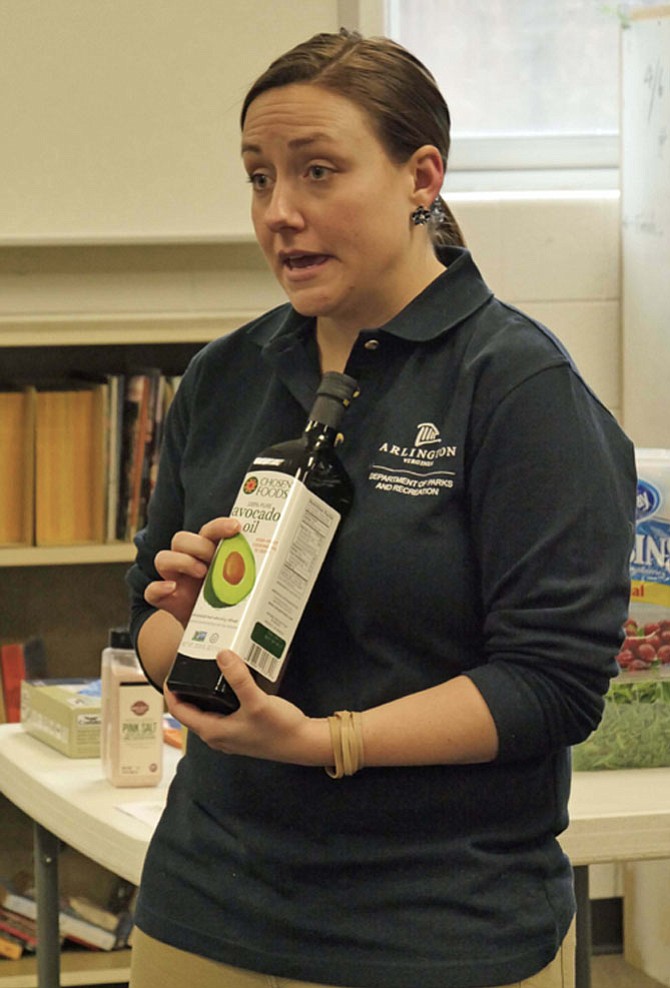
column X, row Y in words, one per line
column 262, row 660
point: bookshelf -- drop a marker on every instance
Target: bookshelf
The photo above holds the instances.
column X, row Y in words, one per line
column 78, row 967
column 49, row 351
column 115, row 552
column 71, row 595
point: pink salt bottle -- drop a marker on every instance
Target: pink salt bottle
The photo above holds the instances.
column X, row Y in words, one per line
column 131, row 742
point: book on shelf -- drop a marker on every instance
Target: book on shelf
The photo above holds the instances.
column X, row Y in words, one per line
column 167, row 388
column 23, row 928
column 11, row 947
column 18, row 661
column 143, row 411
column 69, row 464
column 13, row 668
column 134, row 407
column 83, row 456
column 17, row 437
column 82, row 931
column 154, row 438
column 113, row 452
column 143, row 452
column 80, row 919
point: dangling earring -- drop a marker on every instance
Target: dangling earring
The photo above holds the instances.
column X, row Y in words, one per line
column 437, row 212
column 420, row 216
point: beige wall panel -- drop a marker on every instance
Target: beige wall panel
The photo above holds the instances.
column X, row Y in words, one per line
column 120, row 120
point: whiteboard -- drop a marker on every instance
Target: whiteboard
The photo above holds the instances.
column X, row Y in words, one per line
column 645, row 198
column 119, row 118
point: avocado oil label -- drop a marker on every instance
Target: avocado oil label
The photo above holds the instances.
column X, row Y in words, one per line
column 259, row 580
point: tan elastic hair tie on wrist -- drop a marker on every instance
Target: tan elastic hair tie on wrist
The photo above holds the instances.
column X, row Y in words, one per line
column 346, row 735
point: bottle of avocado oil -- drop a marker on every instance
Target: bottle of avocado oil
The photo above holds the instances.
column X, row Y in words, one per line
column 290, row 504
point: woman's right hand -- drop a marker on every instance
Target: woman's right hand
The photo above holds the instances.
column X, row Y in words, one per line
column 184, row 566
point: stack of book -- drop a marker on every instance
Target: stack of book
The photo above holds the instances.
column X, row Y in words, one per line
column 81, row 921
column 82, row 456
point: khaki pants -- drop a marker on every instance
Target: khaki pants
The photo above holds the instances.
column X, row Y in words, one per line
column 156, row 965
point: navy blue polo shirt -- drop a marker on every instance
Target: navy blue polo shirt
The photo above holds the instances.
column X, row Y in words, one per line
column 490, row 536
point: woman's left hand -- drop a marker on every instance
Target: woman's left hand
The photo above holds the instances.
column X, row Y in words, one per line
column 263, row 727
column 447, row 724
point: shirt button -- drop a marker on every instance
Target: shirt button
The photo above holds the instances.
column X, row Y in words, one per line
column 371, row 345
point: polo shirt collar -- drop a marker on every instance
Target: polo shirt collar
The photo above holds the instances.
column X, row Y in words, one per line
column 452, row 297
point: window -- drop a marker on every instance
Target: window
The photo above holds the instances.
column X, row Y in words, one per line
column 532, row 87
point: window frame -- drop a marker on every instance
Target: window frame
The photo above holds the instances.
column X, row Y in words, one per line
column 579, row 161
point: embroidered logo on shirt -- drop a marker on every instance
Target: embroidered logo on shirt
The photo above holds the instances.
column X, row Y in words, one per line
column 416, row 470
column 427, row 433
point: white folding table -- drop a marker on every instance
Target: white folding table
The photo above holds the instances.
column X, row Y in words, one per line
column 69, row 800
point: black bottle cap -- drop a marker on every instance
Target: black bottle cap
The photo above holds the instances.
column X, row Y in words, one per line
column 333, row 396
column 119, row 638
column 336, row 385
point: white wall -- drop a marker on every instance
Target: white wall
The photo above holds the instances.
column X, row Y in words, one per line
column 556, row 258
column 120, row 119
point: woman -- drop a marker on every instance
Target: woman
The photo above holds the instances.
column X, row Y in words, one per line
column 473, row 626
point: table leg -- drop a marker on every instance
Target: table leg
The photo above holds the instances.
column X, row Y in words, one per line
column 47, row 848
column 584, row 935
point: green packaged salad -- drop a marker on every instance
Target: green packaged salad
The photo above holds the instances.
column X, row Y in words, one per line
column 635, row 729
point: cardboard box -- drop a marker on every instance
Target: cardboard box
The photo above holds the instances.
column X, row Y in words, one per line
column 64, row 713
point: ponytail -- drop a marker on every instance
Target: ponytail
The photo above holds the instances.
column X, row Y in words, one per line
column 444, row 227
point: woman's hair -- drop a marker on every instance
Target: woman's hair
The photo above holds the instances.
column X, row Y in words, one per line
column 398, row 93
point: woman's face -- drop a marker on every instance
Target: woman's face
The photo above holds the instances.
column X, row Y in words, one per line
column 330, row 209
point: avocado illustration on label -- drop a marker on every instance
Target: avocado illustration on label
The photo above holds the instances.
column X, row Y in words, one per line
column 232, row 573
